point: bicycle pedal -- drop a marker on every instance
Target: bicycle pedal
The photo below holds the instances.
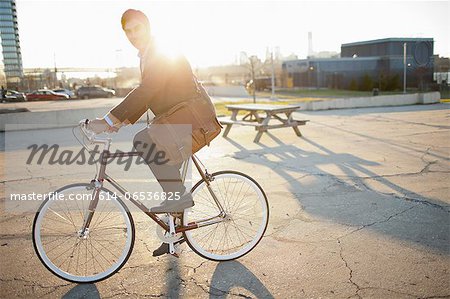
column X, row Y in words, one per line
column 174, row 249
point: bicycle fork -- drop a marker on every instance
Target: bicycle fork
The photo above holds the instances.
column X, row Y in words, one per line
column 91, row 209
column 97, row 184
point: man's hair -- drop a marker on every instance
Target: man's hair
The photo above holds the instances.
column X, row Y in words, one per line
column 134, row 14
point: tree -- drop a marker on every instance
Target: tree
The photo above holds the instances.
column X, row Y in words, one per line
column 366, row 83
column 353, row 85
column 253, row 65
column 256, row 67
column 420, row 73
column 393, row 82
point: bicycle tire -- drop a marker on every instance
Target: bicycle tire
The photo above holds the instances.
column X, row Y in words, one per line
column 190, row 237
column 43, row 255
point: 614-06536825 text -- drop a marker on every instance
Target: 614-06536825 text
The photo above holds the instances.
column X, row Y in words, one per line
column 138, row 195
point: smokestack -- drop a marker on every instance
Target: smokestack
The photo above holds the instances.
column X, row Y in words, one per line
column 310, row 45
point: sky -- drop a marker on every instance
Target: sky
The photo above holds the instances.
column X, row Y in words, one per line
column 88, row 33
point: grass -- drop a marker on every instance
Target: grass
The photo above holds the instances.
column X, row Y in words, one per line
column 445, row 96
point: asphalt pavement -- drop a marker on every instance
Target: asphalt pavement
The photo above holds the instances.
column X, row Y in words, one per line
column 359, row 208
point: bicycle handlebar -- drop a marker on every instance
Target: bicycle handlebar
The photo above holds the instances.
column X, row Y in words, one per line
column 90, row 135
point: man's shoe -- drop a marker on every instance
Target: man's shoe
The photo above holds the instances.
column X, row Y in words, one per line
column 164, row 248
column 174, row 206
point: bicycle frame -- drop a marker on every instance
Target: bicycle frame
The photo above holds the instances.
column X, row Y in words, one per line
column 102, row 176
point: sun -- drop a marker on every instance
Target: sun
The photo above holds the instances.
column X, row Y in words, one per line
column 179, row 28
column 170, row 47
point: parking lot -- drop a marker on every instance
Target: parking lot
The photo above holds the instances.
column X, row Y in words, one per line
column 359, row 208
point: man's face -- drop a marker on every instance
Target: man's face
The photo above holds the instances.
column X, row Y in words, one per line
column 137, row 33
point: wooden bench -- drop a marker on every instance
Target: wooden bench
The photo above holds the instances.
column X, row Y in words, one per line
column 261, row 123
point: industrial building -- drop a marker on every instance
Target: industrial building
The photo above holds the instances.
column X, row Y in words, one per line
column 366, row 65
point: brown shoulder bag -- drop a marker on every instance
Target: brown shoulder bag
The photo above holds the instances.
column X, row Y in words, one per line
column 185, row 128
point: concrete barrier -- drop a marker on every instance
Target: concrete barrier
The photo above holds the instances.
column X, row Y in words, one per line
column 47, row 119
column 429, row 98
column 50, row 119
column 227, row 91
column 376, row 101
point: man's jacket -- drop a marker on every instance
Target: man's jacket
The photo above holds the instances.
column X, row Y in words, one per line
column 165, row 83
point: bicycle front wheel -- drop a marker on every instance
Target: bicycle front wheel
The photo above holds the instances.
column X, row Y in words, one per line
column 78, row 256
column 241, row 228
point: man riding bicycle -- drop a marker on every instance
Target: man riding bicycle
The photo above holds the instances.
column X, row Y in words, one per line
column 164, row 83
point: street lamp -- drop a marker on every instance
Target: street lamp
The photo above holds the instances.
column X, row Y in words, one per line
column 311, row 69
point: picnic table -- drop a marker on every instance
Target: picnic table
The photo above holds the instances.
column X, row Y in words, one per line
column 260, row 115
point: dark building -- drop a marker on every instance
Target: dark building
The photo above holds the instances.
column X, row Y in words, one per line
column 366, row 65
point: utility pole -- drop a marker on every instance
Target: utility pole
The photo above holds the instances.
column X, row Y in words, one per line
column 273, row 76
column 318, row 75
column 404, row 67
column 252, row 66
column 55, row 83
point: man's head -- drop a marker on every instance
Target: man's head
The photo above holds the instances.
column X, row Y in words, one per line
column 137, row 28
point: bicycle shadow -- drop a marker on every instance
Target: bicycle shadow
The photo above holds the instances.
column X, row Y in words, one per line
column 226, row 277
column 82, row 291
column 232, row 274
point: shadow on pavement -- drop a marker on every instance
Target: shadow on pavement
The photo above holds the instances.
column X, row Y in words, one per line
column 229, row 275
column 173, row 279
column 226, row 276
column 82, row 291
column 346, row 199
column 387, row 141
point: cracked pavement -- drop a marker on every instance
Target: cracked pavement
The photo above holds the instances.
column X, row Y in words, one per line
column 359, row 209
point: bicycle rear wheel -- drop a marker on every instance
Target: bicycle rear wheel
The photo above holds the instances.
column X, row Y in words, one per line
column 89, row 257
column 243, row 226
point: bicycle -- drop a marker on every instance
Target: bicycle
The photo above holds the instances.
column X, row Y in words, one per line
column 87, row 241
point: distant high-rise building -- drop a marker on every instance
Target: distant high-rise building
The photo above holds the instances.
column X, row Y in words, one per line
column 277, row 53
column 268, row 53
column 12, row 57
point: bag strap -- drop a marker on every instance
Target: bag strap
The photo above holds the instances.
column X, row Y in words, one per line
column 197, row 85
column 149, row 122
